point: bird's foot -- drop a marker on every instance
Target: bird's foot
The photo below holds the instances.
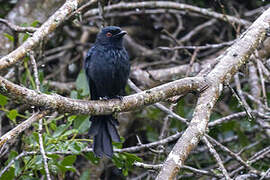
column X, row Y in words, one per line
column 118, row 97
column 104, row 98
column 114, row 97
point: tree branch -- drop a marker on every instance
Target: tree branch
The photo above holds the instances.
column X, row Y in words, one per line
column 21, row 127
column 63, row 104
column 229, row 63
column 216, row 156
column 16, row 28
column 169, row 5
column 49, row 26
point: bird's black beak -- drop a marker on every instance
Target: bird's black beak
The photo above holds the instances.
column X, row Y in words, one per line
column 121, row 34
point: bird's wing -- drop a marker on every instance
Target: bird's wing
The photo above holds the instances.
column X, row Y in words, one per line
column 88, row 69
column 87, row 60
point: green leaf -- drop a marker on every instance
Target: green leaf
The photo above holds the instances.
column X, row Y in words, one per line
column 125, row 161
column 68, row 160
column 53, row 167
column 3, row 100
column 35, row 23
column 25, row 37
column 38, row 161
column 10, row 38
column 81, row 83
column 71, row 118
column 75, row 148
column 24, row 24
column 69, row 132
column 66, row 168
column 119, row 145
column 125, row 172
column 91, row 157
column 17, row 167
column 12, row 155
column 55, row 157
column 81, row 123
column 41, row 75
column 12, row 114
column 10, row 174
column 118, row 161
column 35, row 137
column 60, row 130
column 131, row 158
column 53, row 126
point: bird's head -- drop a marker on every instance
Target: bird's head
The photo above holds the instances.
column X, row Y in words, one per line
column 111, row 35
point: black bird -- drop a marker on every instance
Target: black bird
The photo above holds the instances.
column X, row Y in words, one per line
column 107, row 69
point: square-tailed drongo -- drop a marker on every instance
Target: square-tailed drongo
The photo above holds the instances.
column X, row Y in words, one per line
column 107, row 69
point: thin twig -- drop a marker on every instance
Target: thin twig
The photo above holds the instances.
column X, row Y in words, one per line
column 12, row 162
column 41, row 144
column 16, row 28
column 262, row 82
column 256, row 157
column 192, row 60
column 42, row 150
column 237, row 116
column 236, row 156
column 158, row 105
column 13, row 133
column 149, row 145
column 216, row 156
column 240, row 97
column 148, row 166
column 256, row 101
column 196, row 30
column 207, row 46
column 266, row 174
column 34, row 65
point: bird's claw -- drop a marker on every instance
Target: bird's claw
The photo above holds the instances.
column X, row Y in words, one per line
column 118, row 97
column 114, row 97
column 104, row 98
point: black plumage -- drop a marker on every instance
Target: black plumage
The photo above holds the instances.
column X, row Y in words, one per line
column 107, row 69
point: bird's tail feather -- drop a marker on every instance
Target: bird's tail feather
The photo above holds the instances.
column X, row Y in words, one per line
column 103, row 128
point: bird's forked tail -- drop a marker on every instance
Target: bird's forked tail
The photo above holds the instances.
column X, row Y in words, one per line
column 103, row 128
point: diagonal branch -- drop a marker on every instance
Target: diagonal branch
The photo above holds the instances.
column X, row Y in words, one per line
column 217, row 157
column 21, row 127
column 49, row 26
column 229, row 63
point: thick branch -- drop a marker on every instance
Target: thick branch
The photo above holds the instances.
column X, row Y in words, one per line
column 49, row 26
column 229, row 63
column 63, row 104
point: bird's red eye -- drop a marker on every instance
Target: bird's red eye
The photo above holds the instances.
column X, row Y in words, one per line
column 108, row 34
